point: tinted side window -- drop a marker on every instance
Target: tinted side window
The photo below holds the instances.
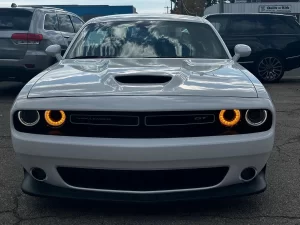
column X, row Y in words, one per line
column 65, row 23
column 15, row 19
column 241, row 25
column 219, row 22
column 278, row 26
column 292, row 22
column 51, row 22
column 77, row 23
column 284, row 25
column 261, row 25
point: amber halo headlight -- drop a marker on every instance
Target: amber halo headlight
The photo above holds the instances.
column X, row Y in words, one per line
column 230, row 118
column 29, row 118
column 256, row 117
column 55, row 118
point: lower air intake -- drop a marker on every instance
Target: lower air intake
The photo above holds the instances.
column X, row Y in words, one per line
column 142, row 180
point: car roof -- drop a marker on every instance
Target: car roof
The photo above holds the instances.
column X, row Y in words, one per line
column 170, row 17
column 18, row 8
column 33, row 8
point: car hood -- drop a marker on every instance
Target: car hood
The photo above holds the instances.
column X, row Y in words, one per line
column 98, row 77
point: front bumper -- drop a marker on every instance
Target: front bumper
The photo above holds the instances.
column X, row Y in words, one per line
column 234, row 151
column 36, row 188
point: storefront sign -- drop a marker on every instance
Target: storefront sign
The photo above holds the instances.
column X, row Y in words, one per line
column 275, row 9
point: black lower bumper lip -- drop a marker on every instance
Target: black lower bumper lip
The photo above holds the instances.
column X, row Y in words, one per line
column 40, row 189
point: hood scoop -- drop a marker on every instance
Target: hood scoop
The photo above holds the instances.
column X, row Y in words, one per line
column 143, row 79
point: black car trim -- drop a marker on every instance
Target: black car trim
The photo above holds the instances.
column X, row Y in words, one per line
column 247, row 62
column 292, row 57
column 179, row 124
column 141, row 131
column 105, row 124
column 36, row 188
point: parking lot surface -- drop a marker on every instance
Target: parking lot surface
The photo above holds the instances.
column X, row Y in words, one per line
column 279, row 204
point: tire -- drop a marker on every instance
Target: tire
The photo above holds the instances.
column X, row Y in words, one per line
column 269, row 68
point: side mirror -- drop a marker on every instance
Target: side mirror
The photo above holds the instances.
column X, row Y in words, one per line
column 54, row 51
column 241, row 50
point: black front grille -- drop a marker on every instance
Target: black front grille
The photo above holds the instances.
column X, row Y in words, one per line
column 188, row 119
column 142, row 125
column 108, row 120
column 143, row 180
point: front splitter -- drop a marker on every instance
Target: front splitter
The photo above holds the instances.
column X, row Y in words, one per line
column 35, row 188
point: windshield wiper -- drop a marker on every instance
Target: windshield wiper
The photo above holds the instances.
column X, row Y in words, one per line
column 167, row 57
column 91, row 57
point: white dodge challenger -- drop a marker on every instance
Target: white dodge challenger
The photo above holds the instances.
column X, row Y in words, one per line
column 144, row 108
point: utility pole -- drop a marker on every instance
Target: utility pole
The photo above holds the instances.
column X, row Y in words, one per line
column 167, row 9
column 221, row 6
column 181, row 7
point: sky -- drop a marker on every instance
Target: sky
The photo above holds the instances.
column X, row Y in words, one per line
column 142, row 6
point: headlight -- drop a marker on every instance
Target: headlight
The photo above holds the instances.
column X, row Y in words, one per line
column 230, row 118
column 55, row 118
column 29, row 118
column 256, row 117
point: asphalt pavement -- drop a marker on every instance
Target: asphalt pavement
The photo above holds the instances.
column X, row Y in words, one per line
column 279, row 204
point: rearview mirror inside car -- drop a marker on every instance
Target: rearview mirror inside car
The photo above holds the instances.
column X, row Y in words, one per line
column 241, row 50
column 54, row 51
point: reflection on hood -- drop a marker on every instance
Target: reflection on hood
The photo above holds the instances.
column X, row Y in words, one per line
column 100, row 65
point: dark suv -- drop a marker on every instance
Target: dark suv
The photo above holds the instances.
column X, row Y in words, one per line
column 26, row 32
column 273, row 38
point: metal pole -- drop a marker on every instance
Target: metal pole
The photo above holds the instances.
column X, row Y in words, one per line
column 171, row 6
column 181, row 6
column 221, row 5
column 167, row 9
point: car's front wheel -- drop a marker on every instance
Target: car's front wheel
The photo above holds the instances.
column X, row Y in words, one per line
column 269, row 68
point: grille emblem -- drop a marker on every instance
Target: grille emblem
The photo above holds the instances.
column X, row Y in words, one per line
column 189, row 119
column 202, row 118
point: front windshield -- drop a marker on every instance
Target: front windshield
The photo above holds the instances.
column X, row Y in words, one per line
column 147, row 39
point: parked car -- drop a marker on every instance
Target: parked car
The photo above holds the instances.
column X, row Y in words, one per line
column 26, row 32
column 143, row 108
column 273, row 38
